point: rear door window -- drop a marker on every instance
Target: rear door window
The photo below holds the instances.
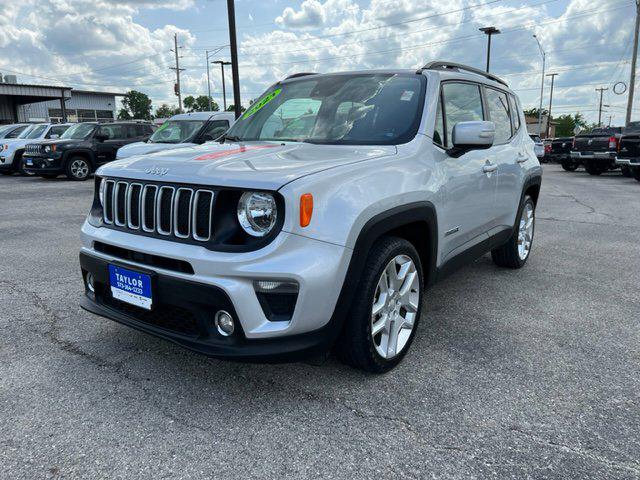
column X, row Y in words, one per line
column 499, row 114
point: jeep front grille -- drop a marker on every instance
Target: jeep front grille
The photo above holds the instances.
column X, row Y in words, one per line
column 33, row 149
column 166, row 210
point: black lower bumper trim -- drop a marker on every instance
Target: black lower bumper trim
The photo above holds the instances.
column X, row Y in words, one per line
column 183, row 314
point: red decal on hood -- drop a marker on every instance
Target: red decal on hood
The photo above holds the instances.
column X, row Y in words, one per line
column 214, row 155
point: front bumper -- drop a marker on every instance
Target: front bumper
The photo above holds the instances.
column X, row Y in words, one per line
column 600, row 156
column 44, row 165
column 6, row 161
column 227, row 280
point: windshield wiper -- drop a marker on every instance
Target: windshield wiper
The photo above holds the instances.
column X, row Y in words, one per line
column 231, row 138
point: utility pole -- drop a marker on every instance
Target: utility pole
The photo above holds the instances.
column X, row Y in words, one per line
column 224, row 90
column 231, row 12
column 601, row 90
column 208, row 81
column 553, row 77
column 178, row 70
column 544, row 61
column 489, row 31
column 632, row 81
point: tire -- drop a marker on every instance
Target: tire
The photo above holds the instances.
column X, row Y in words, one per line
column 357, row 346
column 569, row 166
column 592, row 169
column 515, row 253
column 626, row 171
column 78, row 168
column 20, row 167
column 636, row 174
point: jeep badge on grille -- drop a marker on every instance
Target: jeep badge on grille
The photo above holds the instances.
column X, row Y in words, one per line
column 157, row 171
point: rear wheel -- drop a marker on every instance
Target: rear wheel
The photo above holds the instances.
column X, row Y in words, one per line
column 515, row 252
column 626, row 171
column 569, row 165
column 78, row 168
column 384, row 314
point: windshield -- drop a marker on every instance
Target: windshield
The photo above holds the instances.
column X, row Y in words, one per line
column 26, row 131
column 176, row 131
column 79, row 131
column 35, row 132
column 360, row 109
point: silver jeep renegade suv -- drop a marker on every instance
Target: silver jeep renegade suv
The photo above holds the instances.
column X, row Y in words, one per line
column 319, row 220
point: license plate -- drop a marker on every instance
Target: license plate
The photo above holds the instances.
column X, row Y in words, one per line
column 130, row 287
column 29, row 161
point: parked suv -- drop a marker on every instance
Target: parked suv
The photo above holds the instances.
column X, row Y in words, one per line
column 183, row 130
column 82, row 148
column 597, row 149
column 12, row 130
column 538, row 147
column 628, row 158
column 12, row 151
column 274, row 246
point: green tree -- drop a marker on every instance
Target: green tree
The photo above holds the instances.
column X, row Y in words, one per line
column 166, row 111
column 200, row 104
column 566, row 124
column 136, row 105
column 232, row 107
column 533, row 112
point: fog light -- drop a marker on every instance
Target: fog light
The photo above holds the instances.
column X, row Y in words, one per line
column 224, row 323
column 90, row 284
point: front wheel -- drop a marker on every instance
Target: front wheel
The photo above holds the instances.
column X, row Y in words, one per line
column 384, row 314
column 78, row 168
column 593, row 169
column 515, row 252
column 21, row 169
column 569, row 165
column 626, row 171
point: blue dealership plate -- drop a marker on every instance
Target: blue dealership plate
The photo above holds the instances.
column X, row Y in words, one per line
column 130, row 287
column 29, row 161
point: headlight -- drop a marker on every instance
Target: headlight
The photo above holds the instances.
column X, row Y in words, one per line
column 257, row 213
column 47, row 148
column 101, row 192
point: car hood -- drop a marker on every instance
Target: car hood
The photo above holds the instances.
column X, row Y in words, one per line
column 144, row 148
column 260, row 165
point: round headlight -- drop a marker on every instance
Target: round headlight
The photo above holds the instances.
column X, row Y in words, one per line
column 257, row 213
column 47, row 148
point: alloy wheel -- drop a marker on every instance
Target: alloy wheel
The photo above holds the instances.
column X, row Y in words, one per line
column 395, row 306
column 525, row 231
column 79, row 168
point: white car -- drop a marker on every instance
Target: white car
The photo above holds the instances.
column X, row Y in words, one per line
column 320, row 219
column 538, row 146
column 12, row 150
column 12, row 130
column 183, row 130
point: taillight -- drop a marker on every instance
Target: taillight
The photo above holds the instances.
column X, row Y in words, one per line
column 573, row 145
column 547, row 148
column 613, row 143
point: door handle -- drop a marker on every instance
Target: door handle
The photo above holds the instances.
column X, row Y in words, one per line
column 522, row 158
column 489, row 168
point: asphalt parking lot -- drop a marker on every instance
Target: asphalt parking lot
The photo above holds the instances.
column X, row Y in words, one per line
column 514, row 374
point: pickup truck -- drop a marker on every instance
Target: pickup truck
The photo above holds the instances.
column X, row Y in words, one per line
column 597, row 150
column 560, row 152
column 628, row 158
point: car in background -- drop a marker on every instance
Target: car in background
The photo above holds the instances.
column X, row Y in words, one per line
column 183, row 130
column 597, row 149
column 12, row 130
column 559, row 151
column 83, row 148
column 628, row 158
column 12, row 150
column 538, row 147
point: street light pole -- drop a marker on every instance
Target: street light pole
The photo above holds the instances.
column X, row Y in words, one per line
column 231, row 12
column 544, row 61
column 224, row 89
column 632, row 81
column 489, row 31
column 553, row 77
column 208, row 81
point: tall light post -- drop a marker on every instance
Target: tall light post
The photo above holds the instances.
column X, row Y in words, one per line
column 632, row 81
column 208, row 54
column 489, row 31
column 544, row 62
column 233, row 44
column 553, row 77
column 224, row 90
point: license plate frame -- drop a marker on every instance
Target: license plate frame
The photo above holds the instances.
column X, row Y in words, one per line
column 133, row 287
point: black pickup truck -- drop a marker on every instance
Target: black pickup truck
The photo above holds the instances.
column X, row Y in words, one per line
column 597, row 150
column 629, row 151
column 559, row 151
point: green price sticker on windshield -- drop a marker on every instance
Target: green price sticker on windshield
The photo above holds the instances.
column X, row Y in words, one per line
column 258, row 105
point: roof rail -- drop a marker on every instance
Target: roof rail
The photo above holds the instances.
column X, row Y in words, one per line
column 301, row 74
column 440, row 65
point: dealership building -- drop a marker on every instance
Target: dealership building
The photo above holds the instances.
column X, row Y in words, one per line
column 47, row 103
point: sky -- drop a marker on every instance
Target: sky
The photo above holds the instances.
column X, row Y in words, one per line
column 108, row 45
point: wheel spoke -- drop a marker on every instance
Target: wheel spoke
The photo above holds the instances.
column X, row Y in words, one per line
column 379, row 325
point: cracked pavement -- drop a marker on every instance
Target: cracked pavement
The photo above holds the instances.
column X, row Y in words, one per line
column 513, row 374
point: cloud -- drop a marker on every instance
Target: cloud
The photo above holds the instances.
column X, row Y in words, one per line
column 311, row 14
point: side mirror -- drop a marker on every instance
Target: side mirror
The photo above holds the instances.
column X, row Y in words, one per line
column 101, row 137
column 468, row 136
